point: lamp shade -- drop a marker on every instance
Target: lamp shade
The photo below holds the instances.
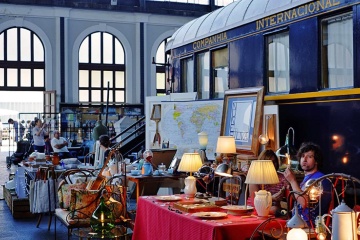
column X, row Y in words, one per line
column 226, row 144
column 156, row 112
column 190, row 162
column 223, row 170
column 203, row 140
column 262, row 172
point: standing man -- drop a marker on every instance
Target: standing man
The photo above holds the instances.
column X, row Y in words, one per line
column 39, row 133
column 18, row 128
column 310, row 161
column 59, row 145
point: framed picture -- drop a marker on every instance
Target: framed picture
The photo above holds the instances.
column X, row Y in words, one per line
column 242, row 117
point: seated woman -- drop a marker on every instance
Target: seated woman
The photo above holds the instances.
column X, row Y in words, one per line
column 277, row 190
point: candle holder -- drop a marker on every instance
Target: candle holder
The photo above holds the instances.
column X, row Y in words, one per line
column 102, row 219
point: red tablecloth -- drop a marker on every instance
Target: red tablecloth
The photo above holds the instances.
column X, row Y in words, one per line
column 154, row 221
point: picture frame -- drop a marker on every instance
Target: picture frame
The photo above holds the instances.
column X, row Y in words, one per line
column 242, row 118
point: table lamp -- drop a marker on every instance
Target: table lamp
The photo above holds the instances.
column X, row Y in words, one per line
column 203, row 141
column 156, row 116
column 226, row 146
column 296, row 223
column 190, row 162
column 262, row 172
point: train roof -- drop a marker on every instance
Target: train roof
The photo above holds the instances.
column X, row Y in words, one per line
column 233, row 15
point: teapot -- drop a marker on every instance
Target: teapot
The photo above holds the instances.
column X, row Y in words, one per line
column 147, row 169
column 343, row 223
column 262, row 202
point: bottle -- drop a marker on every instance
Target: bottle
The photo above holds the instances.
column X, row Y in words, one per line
column 102, row 219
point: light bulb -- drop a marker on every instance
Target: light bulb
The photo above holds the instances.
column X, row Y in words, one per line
column 263, row 139
column 296, row 234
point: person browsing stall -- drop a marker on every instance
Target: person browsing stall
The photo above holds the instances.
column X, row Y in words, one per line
column 277, row 190
column 39, row 132
column 59, row 145
column 19, row 129
column 310, row 162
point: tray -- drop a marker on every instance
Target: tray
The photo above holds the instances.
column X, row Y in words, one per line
column 192, row 207
column 238, row 210
column 209, row 215
column 170, row 198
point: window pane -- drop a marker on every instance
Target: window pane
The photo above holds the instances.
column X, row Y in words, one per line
column 25, row 77
column 95, row 79
column 96, row 96
column 84, row 96
column 187, row 75
column 12, row 77
column 2, row 46
column 337, row 52
column 110, row 96
column 119, row 79
column 25, row 54
column 278, row 64
column 83, row 78
column 12, row 41
column 160, row 54
column 2, row 82
column 160, row 81
column 95, row 48
column 38, row 50
column 203, row 78
column 84, row 51
column 108, row 77
column 38, row 77
column 108, row 48
column 120, row 96
column 220, row 61
column 119, row 53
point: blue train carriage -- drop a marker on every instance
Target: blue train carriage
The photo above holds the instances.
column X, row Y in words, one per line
column 304, row 53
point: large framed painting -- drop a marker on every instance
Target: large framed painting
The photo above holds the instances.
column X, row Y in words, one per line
column 242, row 118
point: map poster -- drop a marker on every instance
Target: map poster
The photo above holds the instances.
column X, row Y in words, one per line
column 182, row 121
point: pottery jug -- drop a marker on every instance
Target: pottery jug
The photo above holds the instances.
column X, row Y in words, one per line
column 147, row 169
column 343, row 223
column 262, row 202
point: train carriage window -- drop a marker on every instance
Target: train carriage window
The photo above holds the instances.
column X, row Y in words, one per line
column 203, row 75
column 220, row 69
column 337, row 52
column 187, row 75
column 278, row 70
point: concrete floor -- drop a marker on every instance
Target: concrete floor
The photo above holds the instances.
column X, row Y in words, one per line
column 22, row 229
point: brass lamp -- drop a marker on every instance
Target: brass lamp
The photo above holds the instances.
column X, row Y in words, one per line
column 156, row 116
column 262, row 172
column 226, row 146
column 190, row 162
column 287, row 152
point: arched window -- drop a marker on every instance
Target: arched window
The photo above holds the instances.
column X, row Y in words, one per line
column 161, row 68
column 101, row 61
column 22, row 65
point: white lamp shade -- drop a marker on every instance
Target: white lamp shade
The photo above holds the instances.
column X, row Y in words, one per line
column 296, row 234
column 262, row 172
column 203, row 140
column 190, row 162
column 226, row 144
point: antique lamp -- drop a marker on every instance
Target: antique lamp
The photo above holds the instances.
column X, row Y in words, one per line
column 264, row 138
column 203, row 141
column 190, row 162
column 287, row 152
column 296, row 223
column 262, row 172
column 226, row 146
column 156, row 116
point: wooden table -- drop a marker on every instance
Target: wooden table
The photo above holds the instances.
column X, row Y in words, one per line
column 149, row 185
column 159, row 220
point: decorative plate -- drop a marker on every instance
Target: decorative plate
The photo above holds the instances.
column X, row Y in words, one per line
column 210, row 215
column 238, row 210
column 170, row 198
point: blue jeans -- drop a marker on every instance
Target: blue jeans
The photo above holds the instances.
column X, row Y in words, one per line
column 40, row 149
